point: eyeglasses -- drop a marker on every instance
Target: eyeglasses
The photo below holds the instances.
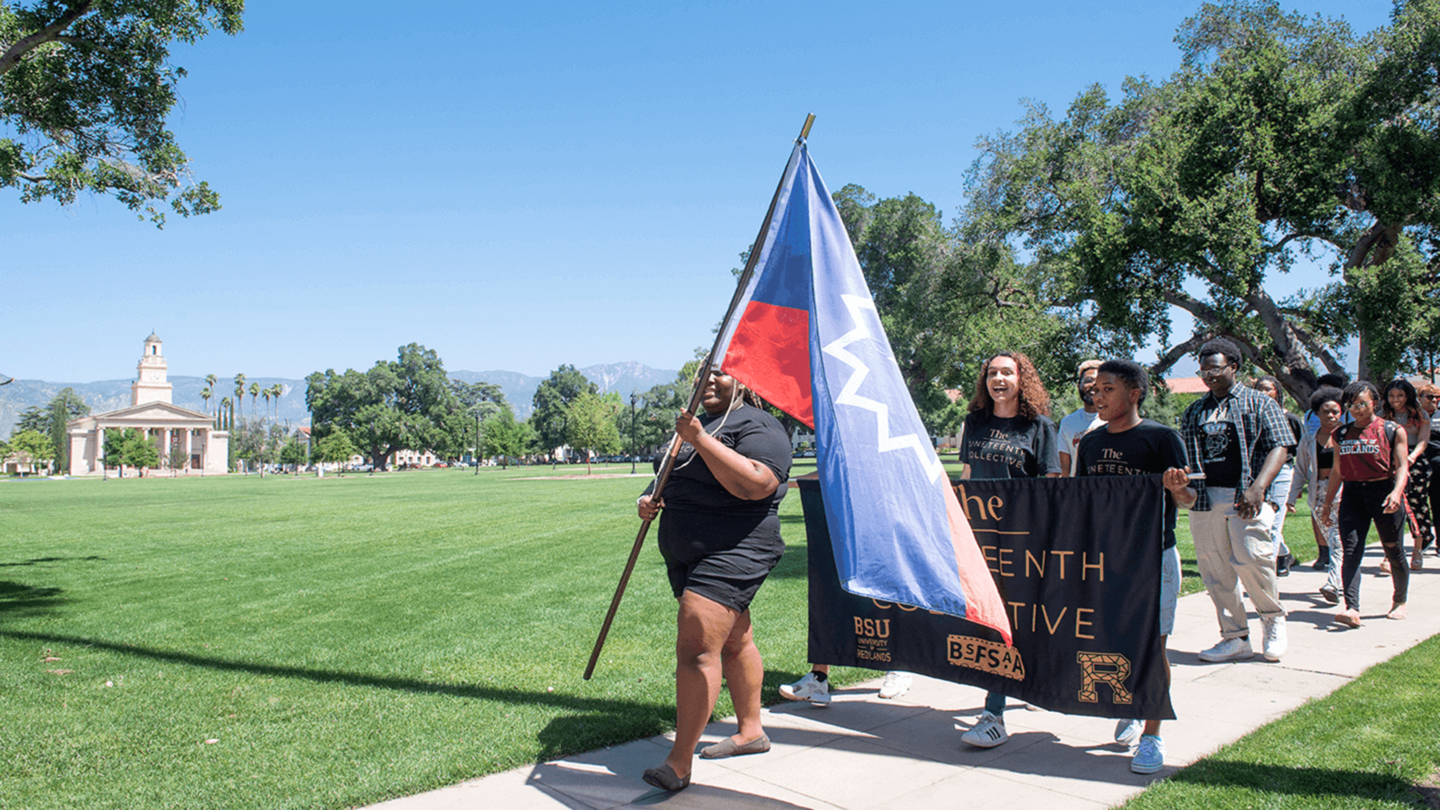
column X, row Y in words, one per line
column 1430, row 396
column 1206, row 373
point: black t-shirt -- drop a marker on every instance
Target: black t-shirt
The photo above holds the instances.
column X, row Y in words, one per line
column 1432, row 449
column 1148, row 448
column 752, row 433
column 1009, row 447
column 1220, row 453
column 1297, row 426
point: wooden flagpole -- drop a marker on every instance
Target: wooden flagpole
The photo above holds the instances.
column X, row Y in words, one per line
column 668, row 464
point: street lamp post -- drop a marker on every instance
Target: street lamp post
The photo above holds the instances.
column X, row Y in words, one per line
column 633, row 398
column 477, row 442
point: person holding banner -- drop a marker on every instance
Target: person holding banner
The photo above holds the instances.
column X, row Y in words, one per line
column 1130, row 445
column 1007, row 434
column 720, row 538
column 1238, row 439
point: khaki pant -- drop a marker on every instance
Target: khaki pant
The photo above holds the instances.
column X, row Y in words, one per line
column 1235, row 553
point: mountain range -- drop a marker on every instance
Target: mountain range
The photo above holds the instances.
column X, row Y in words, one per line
column 109, row 395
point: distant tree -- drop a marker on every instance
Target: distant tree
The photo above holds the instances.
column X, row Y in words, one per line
column 335, row 449
column 591, row 425
column 505, row 436
column 254, row 394
column 86, row 93
column 35, row 417
column 293, row 453
column 239, row 398
column 130, row 448
column 265, row 392
column 206, row 394
column 139, row 451
column 552, row 399
column 34, row 445
column 276, row 391
column 225, row 408
column 179, row 459
column 66, row 405
column 403, row 404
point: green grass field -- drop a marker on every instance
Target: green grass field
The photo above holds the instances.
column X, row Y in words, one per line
column 249, row 643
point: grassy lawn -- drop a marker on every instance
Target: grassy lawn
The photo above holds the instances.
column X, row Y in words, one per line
column 238, row 642
column 249, row 643
column 1367, row 747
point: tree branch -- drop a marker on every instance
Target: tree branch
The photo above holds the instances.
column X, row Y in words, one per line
column 1176, row 352
column 1202, row 311
column 49, row 33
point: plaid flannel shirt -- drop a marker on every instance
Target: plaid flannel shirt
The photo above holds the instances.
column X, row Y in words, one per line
column 1260, row 425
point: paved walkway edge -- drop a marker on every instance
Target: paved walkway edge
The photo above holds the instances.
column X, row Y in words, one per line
column 862, row 752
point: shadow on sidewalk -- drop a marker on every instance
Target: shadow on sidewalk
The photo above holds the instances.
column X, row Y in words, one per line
column 581, row 786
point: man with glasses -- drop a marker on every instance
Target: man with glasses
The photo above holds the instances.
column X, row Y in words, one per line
column 1076, row 425
column 1238, row 439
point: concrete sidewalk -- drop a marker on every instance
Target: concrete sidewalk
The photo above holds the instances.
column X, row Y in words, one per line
column 863, row 752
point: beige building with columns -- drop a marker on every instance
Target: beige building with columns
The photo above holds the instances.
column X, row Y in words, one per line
column 151, row 412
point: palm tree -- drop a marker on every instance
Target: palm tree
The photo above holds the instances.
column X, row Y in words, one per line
column 276, row 391
column 226, row 406
column 254, row 392
column 205, row 394
column 265, row 392
column 210, row 381
column 239, row 395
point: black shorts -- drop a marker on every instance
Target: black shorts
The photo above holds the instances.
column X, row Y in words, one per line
column 722, row 558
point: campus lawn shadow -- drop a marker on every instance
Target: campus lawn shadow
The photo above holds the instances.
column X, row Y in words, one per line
column 39, row 560
column 1320, row 786
column 20, row 600
column 640, row 718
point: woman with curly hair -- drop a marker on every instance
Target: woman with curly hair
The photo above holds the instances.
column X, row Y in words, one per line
column 1007, row 434
column 1401, row 404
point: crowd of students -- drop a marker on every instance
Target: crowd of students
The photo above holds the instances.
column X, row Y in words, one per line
column 1238, row 463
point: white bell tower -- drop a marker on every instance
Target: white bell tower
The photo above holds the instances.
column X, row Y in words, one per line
column 150, row 384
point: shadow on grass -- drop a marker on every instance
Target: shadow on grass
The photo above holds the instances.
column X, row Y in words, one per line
column 18, row 599
column 39, row 560
column 653, row 715
column 1316, row 784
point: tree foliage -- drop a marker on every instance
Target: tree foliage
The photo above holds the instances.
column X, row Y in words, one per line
column 590, row 426
column 86, row 87
column 335, row 449
column 405, row 404
column 552, row 401
column 34, row 446
column 1281, row 139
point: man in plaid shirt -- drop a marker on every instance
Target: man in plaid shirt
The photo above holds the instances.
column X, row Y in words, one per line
column 1238, row 439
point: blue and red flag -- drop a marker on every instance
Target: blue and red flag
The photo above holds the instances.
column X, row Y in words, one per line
column 807, row 338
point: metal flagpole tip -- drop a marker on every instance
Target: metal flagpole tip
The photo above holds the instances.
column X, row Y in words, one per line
column 6, row 380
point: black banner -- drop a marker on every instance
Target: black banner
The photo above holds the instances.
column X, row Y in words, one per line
column 1077, row 562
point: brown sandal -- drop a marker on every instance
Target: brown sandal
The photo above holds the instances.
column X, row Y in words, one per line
column 664, row 778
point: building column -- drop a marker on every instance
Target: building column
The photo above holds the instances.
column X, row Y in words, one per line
column 99, row 449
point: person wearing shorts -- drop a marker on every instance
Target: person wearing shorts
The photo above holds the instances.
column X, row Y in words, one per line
column 720, row 537
column 1131, row 445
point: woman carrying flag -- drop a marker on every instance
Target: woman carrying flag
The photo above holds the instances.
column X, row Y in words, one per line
column 720, row 537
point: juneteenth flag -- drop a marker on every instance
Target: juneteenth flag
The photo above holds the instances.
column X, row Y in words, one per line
column 807, row 338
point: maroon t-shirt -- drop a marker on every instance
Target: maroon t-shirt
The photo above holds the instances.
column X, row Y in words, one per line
column 1366, row 455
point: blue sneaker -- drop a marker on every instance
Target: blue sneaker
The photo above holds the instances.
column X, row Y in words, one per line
column 1150, row 756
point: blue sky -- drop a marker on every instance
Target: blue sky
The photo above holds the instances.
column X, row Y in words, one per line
column 527, row 185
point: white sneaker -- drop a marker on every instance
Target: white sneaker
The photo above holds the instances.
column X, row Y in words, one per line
column 807, row 688
column 1229, row 649
column 988, row 732
column 1275, row 643
column 896, row 684
column 1128, row 732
